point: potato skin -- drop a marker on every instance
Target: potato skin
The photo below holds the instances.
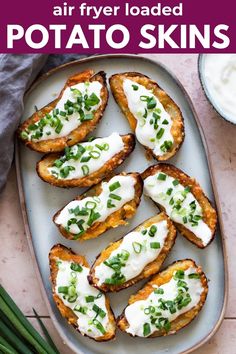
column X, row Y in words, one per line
column 65, row 254
column 177, row 130
column 209, row 213
column 78, row 134
column 161, row 278
column 115, row 219
column 93, row 178
column 150, row 268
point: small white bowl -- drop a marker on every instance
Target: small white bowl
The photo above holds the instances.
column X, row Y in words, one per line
column 203, row 80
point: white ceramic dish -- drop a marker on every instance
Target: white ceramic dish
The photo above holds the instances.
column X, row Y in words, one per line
column 207, row 91
column 40, row 201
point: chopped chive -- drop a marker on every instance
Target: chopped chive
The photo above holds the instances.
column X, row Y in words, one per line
column 114, row 186
column 94, row 154
column 114, row 196
column 185, row 219
column 146, row 329
column 159, row 291
column 161, row 177
column 135, row 87
column 152, row 230
column 151, row 103
column 194, row 276
column 137, row 247
column 144, row 232
column 175, row 182
column 63, row 289
column 99, row 326
column 169, row 191
column 155, row 245
column 165, row 122
column 89, row 298
column 99, row 311
column 179, row 274
column 85, row 170
column 81, row 309
column 160, row 133
column 90, row 205
column 109, row 204
column 85, row 158
column 76, row 267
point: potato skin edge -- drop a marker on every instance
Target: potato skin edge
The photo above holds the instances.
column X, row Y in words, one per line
column 122, row 323
column 165, row 99
column 93, row 178
column 147, row 271
column 76, row 135
column 59, row 251
column 117, row 218
column 198, row 193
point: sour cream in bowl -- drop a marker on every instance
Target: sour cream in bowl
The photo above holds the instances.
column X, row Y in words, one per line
column 218, row 77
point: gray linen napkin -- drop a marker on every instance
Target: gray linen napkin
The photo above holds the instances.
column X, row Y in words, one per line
column 17, row 71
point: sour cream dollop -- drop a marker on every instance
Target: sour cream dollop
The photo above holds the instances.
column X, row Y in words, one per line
column 219, row 71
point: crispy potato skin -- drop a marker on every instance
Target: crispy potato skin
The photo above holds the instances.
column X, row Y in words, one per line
column 150, row 268
column 65, row 254
column 160, row 279
column 209, row 213
column 115, row 219
column 177, row 130
column 78, row 134
column 87, row 181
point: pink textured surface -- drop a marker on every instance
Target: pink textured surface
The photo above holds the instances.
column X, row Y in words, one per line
column 16, row 270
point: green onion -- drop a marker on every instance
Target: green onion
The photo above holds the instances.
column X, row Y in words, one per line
column 135, row 87
column 179, row 274
column 152, row 230
column 45, row 332
column 10, row 338
column 185, row 219
column 63, row 289
column 89, row 298
column 85, row 158
column 143, row 232
column 99, row 311
column 88, row 116
column 161, row 177
column 114, row 186
column 64, row 172
column 90, row 205
column 125, row 255
column 159, row 291
column 81, row 309
column 146, row 329
column 194, row 276
column 165, row 122
column 95, row 154
column 76, row 267
column 155, row 245
column 137, row 247
column 59, row 127
column 175, row 182
column 93, row 217
column 160, row 133
column 22, row 325
column 99, row 326
column 151, row 103
column 85, row 170
column 109, row 204
column 24, row 135
column 33, row 127
column 169, row 191
column 114, row 196
column 145, row 113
